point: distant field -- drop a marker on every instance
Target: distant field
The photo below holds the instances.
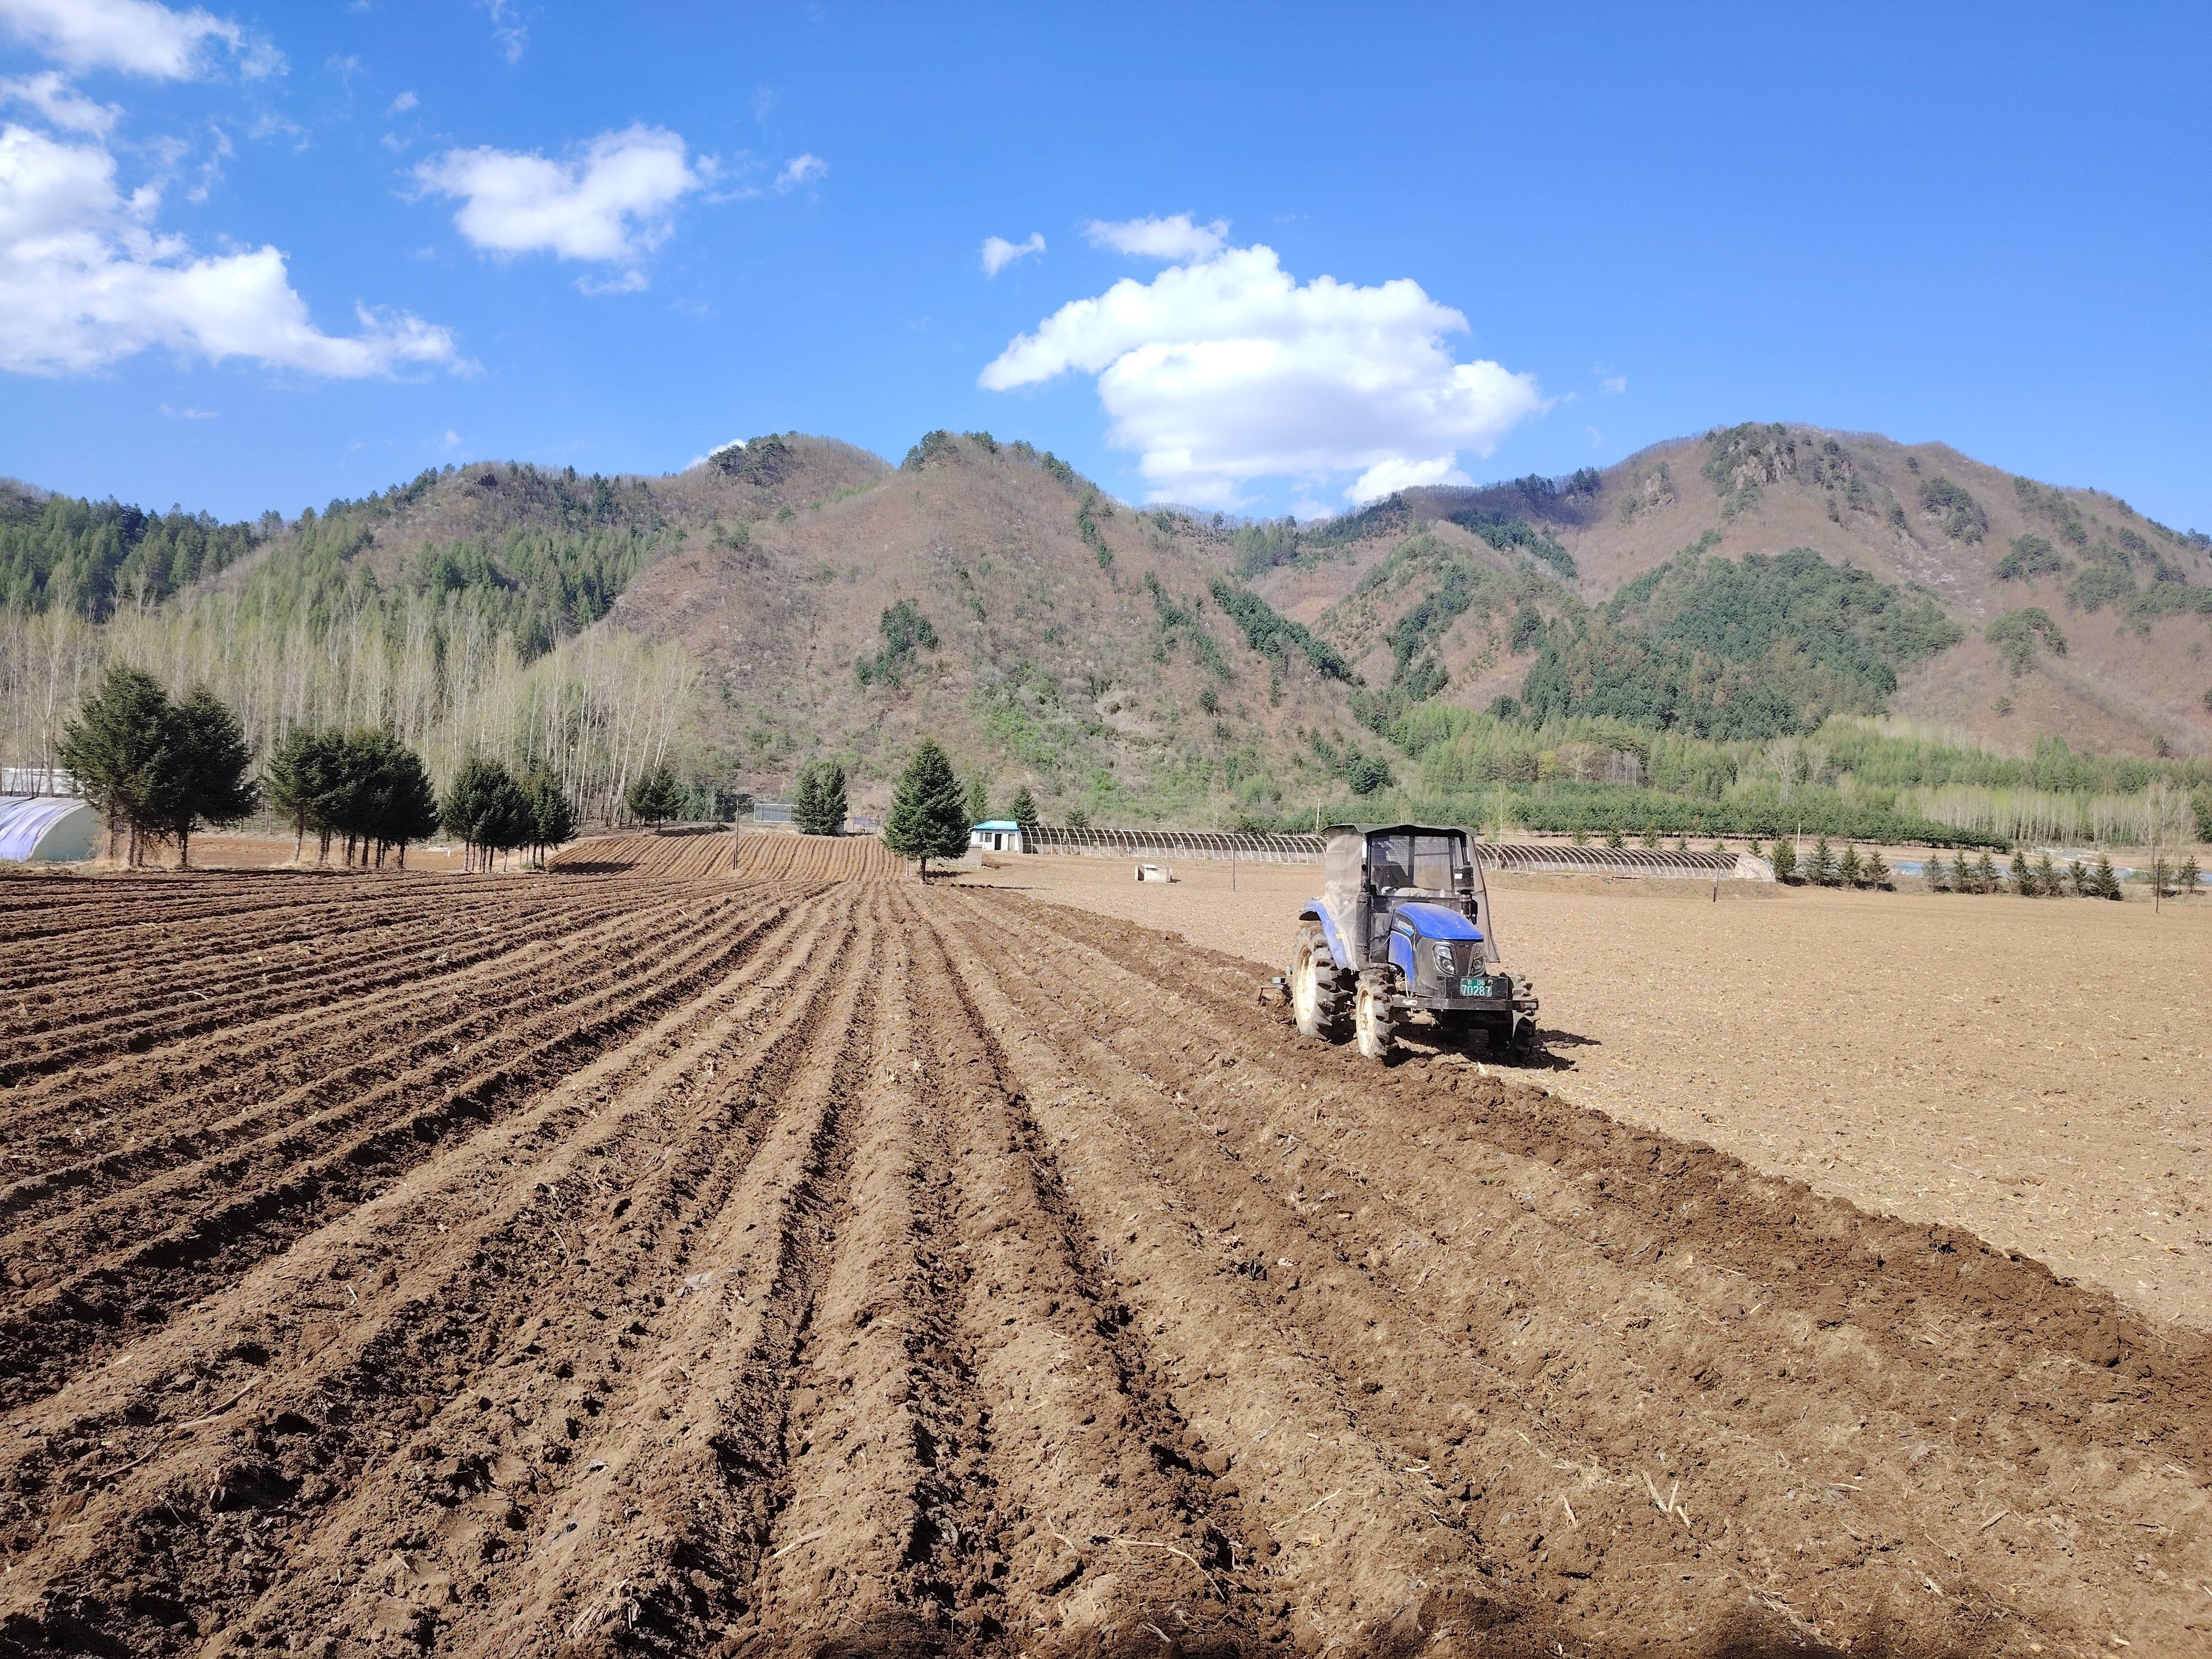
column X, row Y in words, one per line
column 2033, row 1069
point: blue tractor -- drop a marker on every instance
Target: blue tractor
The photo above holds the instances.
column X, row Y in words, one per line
column 1402, row 930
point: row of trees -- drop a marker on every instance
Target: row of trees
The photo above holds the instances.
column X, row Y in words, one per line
column 158, row 770
column 1823, row 868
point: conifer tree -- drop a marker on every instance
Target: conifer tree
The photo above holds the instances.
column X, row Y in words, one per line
column 1022, row 810
column 1823, row 866
column 819, row 807
column 485, row 812
column 2047, row 879
column 204, row 779
column 116, row 748
column 407, row 805
column 928, row 817
column 978, row 800
column 1938, row 874
column 653, row 796
column 1848, row 871
column 294, row 780
column 1985, row 873
column 2078, row 873
column 2104, row 880
column 1785, row 860
column 1875, row 869
column 2023, row 875
column 552, row 819
column 2186, row 878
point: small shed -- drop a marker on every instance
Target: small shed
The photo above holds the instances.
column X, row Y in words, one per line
column 47, row 830
column 997, row 835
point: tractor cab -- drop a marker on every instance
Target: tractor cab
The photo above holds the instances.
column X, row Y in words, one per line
column 1402, row 930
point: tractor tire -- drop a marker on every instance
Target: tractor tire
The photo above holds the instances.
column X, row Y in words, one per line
column 1318, row 998
column 1371, row 1020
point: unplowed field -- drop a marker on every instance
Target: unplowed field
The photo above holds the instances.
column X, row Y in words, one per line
column 581, row 1264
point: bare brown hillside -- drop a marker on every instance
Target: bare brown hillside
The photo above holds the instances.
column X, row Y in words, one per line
column 1070, row 642
column 1923, row 515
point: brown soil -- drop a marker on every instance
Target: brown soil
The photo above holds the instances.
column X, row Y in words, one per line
column 585, row 1264
column 752, row 855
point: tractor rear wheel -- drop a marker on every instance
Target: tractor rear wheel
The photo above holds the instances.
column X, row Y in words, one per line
column 1317, row 993
column 1371, row 1020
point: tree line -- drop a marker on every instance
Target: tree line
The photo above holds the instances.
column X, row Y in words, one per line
column 158, row 770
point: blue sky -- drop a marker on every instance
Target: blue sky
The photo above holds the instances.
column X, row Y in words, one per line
column 256, row 258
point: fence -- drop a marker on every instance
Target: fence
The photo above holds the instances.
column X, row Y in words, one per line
column 1306, row 849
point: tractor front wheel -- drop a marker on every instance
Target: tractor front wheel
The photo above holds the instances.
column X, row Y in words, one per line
column 1371, row 1021
column 1318, row 998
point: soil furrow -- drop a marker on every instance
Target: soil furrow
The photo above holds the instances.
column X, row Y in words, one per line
column 85, row 1313
column 670, row 1125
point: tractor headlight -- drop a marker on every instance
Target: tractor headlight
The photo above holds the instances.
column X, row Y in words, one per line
column 1446, row 965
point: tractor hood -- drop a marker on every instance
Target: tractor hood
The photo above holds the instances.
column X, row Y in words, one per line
column 1439, row 922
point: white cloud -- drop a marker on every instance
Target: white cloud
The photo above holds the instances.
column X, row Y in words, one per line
column 1175, row 239
column 1615, row 384
column 1388, row 478
column 612, row 203
column 86, row 280
column 453, row 439
column 999, row 252
column 190, row 414
column 801, row 170
column 139, row 36
column 509, row 32
column 63, row 105
column 1227, row 369
column 402, row 104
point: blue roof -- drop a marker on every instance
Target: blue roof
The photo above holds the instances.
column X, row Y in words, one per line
column 1004, row 825
column 1439, row 922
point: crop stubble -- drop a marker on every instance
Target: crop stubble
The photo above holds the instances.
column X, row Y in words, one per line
column 610, row 1262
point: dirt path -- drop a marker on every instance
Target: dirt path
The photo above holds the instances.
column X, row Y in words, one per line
column 778, row 1268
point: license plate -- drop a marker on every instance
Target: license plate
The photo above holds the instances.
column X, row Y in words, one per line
column 1476, row 986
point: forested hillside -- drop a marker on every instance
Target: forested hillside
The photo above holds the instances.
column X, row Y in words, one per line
column 1708, row 627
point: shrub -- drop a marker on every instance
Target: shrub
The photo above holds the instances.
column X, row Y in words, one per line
column 2019, row 635
column 1615, row 840
column 2032, row 556
column 1950, row 506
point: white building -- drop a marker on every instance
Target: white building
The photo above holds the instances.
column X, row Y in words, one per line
column 996, row 835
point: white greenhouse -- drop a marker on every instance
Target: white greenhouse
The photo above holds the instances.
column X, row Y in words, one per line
column 47, row 830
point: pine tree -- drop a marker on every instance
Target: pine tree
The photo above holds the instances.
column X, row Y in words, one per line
column 1615, row 840
column 1848, row 871
column 407, row 805
column 2023, row 875
column 1022, row 810
column 978, row 799
column 2188, row 876
column 2105, row 880
column 117, row 750
column 484, row 811
column 204, row 777
column 928, row 817
column 1876, row 870
column 2047, row 879
column 1823, row 867
column 552, row 819
column 653, row 796
column 2078, row 873
column 294, row 780
column 1986, row 873
column 1785, row 860
column 819, row 808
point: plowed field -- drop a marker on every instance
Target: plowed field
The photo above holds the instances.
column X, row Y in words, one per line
column 597, row 1263
column 761, row 855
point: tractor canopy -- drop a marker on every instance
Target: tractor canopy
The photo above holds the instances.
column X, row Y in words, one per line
column 1371, row 872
